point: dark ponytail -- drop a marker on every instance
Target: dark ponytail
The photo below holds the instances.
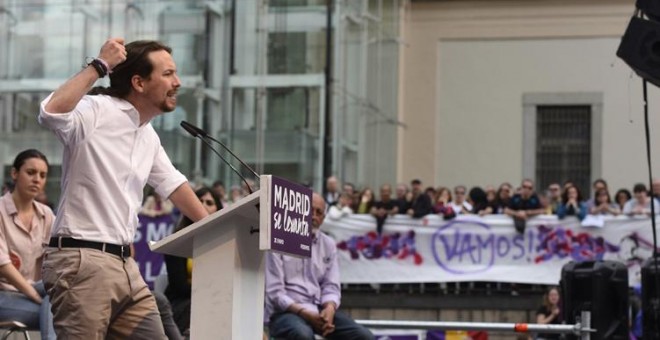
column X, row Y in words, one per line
column 137, row 63
column 23, row 156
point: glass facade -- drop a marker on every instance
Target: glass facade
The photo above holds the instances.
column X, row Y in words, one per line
column 253, row 75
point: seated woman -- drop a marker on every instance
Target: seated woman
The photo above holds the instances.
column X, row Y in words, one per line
column 572, row 204
column 179, row 269
column 365, row 202
column 441, row 205
column 549, row 313
column 621, row 197
column 24, row 229
column 603, row 205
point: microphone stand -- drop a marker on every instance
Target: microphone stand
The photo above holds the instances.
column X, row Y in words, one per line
column 195, row 132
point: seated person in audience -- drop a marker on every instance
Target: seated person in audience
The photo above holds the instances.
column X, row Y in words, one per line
column 549, row 313
column 595, row 186
column 384, row 208
column 503, row 197
column 24, row 228
column 302, row 295
column 179, row 269
column 421, row 203
column 524, row 205
column 640, row 204
column 546, row 198
column 365, row 202
column 219, row 189
column 655, row 188
column 460, row 205
column 603, row 205
column 572, row 204
column 331, row 190
column 554, row 196
column 155, row 206
column 479, row 201
column 430, row 191
column 441, row 205
column 622, row 197
column 491, row 198
column 349, row 188
column 235, row 193
column 342, row 208
column 403, row 198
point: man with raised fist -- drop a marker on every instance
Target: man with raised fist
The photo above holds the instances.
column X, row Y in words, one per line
column 110, row 153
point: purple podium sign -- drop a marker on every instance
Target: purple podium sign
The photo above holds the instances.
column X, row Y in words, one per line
column 286, row 217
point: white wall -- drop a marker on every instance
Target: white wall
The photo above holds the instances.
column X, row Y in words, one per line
column 467, row 64
column 479, row 117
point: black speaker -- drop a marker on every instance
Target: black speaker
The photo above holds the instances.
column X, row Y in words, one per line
column 640, row 48
column 650, row 299
column 600, row 287
column 650, row 7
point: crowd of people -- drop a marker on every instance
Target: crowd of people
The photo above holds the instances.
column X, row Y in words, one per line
column 521, row 202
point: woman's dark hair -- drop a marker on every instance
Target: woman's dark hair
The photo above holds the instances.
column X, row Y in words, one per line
column 564, row 195
column 639, row 187
column 439, row 192
column 23, row 156
column 601, row 181
column 185, row 221
column 479, row 199
column 546, row 296
column 626, row 192
column 137, row 63
column 600, row 191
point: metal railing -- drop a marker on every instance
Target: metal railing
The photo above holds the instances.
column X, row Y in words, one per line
column 582, row 328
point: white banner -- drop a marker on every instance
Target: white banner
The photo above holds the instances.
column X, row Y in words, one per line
column 472, row 248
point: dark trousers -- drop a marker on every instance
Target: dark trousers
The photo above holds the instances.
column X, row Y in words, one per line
column 292, row 327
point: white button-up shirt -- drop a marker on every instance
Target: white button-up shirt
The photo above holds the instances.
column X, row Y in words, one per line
column 108, row 159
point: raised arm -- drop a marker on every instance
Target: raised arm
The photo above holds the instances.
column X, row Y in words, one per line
column 67, row 96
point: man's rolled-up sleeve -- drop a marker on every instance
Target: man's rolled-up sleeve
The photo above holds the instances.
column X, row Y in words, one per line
column 70, row 127
column 164, row 177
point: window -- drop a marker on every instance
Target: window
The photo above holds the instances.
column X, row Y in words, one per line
column 562, row 138
column 563, row 145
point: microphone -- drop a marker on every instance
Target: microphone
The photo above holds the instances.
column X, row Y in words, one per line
column 192, row 129
column 202, row 135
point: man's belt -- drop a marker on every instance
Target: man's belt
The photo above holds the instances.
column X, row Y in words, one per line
column 67, row 242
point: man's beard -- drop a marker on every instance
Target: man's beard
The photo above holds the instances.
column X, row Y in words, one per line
column 164, row 107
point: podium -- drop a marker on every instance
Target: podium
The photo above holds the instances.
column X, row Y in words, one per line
column 227, row 248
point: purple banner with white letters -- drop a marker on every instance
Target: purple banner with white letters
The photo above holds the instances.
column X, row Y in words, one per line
column 291, row 220
column 151, row 229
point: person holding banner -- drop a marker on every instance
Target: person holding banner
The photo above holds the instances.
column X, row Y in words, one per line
column 111, row 152
column 302, row 295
